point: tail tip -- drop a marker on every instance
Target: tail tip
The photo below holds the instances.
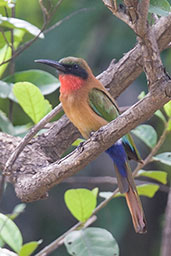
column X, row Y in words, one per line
column 141, row 228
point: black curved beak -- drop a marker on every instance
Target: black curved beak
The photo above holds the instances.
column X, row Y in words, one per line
column 52, row 63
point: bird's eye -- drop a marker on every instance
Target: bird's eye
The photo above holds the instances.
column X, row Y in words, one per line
column 76, row 66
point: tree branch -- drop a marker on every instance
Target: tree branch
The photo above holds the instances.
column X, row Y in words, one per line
column 142, row 23
column 32, row 174
column 35, row 184
column 132, row 9
column 117, row 77
column 110, row 180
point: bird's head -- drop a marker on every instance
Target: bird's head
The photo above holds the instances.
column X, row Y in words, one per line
column 73, row 72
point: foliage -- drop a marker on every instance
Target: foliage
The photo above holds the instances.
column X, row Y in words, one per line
column 29, row 89
column 81, row 203
column 147, row 134
column 11, row 235
column 161, row 8
column 31, row 100
column 91, row 241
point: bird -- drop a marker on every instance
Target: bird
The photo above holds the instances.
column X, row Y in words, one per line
column 89, row 106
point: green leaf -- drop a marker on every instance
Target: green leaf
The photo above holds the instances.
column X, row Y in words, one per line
column 161, row 8
column 46, row 82
column 6, row 252
column 81, row 203
column 141, row 95
column 169, row 125
column 7, row 3
column 31, row 100
column 18, row 209
column 156, row 175
column 164, row 158
column 5, row 54
column 29, row 248
column 147, row 134
column 12, row 23
column 5, row 124
column 18, row 35
column 167, row 108
column 95, row 191
column 77, row 142
column 91, row 242
column 159, row 114
column 10, row 233
column 48, row 107
column 1, row 243
column 4, row 90
column 148, row 190
column 5, row 51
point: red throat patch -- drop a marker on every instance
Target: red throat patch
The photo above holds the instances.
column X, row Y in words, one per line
column 70, row 83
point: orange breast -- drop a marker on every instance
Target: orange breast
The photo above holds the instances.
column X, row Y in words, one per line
column 80, row 113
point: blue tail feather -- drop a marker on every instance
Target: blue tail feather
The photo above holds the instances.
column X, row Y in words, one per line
column 118, row 155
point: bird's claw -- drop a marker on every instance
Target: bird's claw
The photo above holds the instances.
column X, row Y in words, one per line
column 91, row 134
column 80, row 147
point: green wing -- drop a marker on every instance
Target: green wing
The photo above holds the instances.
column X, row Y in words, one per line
column 102, row 105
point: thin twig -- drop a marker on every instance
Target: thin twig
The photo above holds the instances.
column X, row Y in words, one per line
column 6, row 11
column 141, row 26
column 44, row 11
column 29, row 136
column 27, row 44
column 148, row 159
column 5, row 38
column 131, row 8
column 24, row 46
column 152, row 63
column 109, row 180
column 66, row 18
column 12, row 65
column 60, row 240
column 119, row 14
column 30, row 42
column 53, row 9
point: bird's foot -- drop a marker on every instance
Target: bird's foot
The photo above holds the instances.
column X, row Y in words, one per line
column 91, row 134
column 80, row 147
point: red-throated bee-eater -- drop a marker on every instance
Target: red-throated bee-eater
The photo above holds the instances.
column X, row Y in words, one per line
column 89, row 106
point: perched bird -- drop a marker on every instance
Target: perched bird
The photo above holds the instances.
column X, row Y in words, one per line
column 89, row 106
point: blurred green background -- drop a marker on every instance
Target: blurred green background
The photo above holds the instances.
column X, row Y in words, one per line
column 96, row 35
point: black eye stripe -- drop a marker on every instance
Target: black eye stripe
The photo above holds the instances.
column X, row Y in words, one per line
column 76, row 66
column 76, row 70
